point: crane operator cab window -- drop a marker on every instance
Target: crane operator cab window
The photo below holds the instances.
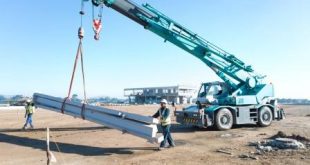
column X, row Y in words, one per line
column 209, row 93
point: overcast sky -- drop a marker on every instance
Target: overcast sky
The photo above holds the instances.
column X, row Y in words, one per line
column 39, row 40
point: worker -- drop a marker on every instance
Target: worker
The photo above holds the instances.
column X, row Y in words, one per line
column 174, row 107
column 29, row 113
column 165, row 121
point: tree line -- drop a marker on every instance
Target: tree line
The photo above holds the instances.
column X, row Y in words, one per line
column 19, row 98
column 12, row 100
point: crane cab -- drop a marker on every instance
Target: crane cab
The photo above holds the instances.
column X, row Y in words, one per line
column 212, row 93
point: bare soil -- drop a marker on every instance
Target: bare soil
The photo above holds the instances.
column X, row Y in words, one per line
column 75, row 141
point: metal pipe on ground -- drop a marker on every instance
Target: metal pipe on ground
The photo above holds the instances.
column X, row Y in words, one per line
column 138, row 125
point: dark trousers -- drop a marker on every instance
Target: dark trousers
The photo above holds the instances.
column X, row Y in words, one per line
column 167, row 136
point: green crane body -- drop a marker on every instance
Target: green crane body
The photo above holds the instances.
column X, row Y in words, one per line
column 241, row 88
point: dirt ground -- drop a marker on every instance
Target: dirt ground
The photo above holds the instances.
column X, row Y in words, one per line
column 75, row 141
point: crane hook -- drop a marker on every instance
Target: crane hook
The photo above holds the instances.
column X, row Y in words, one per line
column 97, row 23
column 97, row 26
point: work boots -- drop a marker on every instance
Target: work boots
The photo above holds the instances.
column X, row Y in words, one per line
column 24, row 127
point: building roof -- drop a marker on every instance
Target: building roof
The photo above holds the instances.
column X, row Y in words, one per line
column 165, row 87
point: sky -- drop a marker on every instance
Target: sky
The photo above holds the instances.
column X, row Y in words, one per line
column 39, row 40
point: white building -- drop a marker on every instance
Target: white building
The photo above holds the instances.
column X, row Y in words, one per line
column 179, row 94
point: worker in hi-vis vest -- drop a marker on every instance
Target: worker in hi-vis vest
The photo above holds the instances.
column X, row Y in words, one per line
column 165, row 121
column 29, row 112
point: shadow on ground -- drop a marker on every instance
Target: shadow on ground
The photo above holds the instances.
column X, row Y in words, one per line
column 69, row 148
column 179, row 128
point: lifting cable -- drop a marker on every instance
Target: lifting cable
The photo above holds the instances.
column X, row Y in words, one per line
column 79, row 53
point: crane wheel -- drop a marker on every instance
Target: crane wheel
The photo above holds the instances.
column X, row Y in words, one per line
column 264, row 116
column 224, row 119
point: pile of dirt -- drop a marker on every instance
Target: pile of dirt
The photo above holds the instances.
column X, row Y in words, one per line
column 282, row 141
column 281, row 134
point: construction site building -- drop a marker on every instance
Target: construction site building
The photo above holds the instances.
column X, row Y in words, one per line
column 152, row 95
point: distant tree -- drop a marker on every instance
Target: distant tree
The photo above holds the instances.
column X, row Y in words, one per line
column 2, row 98
column 17, row 98
column 294, row 101
column 75, row 98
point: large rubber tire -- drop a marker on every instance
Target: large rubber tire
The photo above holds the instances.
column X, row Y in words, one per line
column 224, row 119
column 265, row 116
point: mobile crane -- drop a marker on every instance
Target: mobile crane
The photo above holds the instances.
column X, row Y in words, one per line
column 242, row 97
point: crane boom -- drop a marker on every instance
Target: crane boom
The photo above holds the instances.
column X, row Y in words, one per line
column 234, row 72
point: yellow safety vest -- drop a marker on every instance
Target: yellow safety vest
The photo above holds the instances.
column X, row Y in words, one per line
column 165, row 121
column 29, row 109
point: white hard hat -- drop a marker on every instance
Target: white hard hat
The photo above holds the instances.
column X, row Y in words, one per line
column 164, row 101
column 28, row 100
